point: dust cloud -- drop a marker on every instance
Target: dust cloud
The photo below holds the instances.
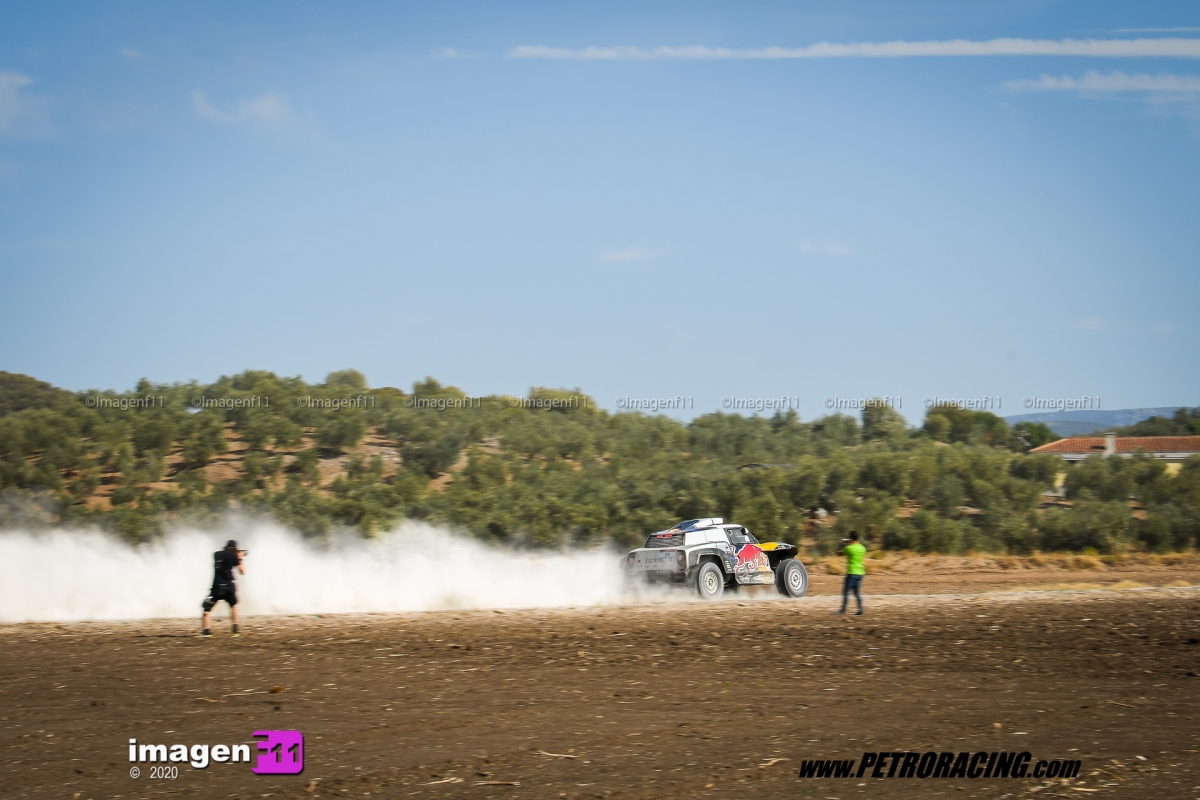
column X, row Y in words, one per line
column 73, row 576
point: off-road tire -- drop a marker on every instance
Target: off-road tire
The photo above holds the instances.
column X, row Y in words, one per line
column 710, row 581
column 791, row 578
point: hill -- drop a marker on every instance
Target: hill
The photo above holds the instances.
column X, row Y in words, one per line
column 550, row 469
column 1079, row 423
column 19, row 392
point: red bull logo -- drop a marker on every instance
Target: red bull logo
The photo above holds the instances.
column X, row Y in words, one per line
column 751, row 557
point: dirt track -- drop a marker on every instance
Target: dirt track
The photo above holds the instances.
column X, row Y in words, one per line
column 906, row 574
column 678, row 700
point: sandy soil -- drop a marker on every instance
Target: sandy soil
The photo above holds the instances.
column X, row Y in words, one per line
column 680, row 699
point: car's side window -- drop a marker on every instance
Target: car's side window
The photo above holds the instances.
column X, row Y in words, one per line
column 738, row 535
column 717, row 536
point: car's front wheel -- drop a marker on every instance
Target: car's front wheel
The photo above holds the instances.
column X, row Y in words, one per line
column 710, row 581
column 791, row 578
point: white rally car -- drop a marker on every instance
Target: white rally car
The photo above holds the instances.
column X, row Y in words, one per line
column 712, row 555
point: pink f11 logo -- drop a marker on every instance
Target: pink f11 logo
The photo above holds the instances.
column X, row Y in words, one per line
column 281, row 754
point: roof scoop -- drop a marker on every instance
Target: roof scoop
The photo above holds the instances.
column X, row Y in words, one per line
column 697, row 524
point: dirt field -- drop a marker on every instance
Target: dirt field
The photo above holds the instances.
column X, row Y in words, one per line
column 673, row 700
column 907, row 574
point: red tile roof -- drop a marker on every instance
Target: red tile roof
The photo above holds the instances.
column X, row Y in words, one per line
column 1125, row 444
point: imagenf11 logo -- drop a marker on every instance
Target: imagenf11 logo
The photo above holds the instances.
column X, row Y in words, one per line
column 282, row 753
column 279, row 753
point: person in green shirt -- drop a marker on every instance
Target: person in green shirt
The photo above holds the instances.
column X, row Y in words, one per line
column 855, row 570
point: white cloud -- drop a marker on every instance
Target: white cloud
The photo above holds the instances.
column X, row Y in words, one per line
column 1091, row 324
column 1111, row 82
column 22, row 115
column 132, row 55
column 1162, row 94
column 268, row 109
column 1155, row 30
column 828, row 248
column 626, row 255
column 450, row 53
column 1108, row 48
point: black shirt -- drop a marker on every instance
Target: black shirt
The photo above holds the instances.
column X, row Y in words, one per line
column 225, row 562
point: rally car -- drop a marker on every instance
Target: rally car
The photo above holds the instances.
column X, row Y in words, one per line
column 711, row 555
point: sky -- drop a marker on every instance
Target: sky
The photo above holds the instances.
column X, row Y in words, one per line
column 822, row 201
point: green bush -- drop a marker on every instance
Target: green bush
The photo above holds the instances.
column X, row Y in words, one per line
column 928, row 533
column 1104, row 526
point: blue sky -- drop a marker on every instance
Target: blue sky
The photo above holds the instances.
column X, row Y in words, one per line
column 642, row 200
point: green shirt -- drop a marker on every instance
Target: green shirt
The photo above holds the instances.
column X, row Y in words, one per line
column 854, row 559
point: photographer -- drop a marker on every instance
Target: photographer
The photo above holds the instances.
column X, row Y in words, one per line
column 855, row 570
column 223, row 588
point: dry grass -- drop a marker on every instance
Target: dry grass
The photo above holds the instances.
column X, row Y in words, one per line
column 1175, row 559
column 837, row 566
column 834, row 566
column 1089, row 561
column 1045, row 571
column 1128, row 584
column 1083, row 562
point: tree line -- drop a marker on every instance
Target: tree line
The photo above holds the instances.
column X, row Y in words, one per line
column 554, row 471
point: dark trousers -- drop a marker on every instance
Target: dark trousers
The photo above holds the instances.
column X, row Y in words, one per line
column 853, row 583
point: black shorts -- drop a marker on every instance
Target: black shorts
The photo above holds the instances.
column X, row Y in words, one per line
column 219, row 592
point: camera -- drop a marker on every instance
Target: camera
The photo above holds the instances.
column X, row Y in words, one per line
column 845, row 541
column 243, row 552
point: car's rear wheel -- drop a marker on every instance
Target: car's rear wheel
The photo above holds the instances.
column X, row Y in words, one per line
column 710, row 581
column 791, row 578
